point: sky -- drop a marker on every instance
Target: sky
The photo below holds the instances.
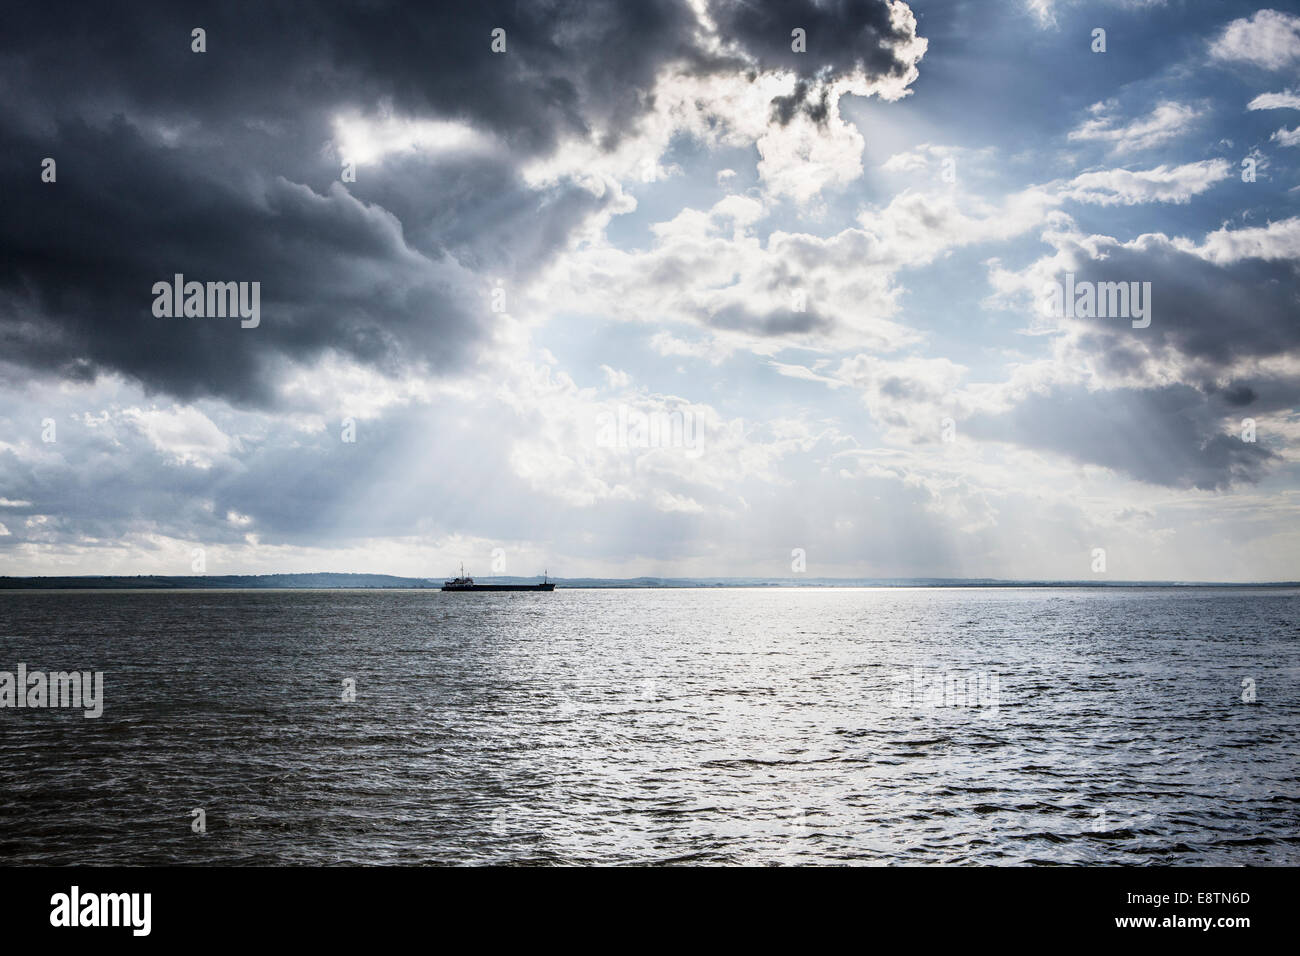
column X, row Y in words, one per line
column 676, row 287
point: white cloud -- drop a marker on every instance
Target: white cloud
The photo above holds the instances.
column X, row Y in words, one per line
column 616, row 378
column 708, row 268
column 336, row 387
column 1286, row 137
column 1286, row 100
column 806, row 374
column 1176, row 184
column 1043, row 11
column 1269, row 39
column 660, row 450
column 803, row 157
column 369, row 139
column 927, row 154
column 797, row 159
column 906, row 162
column 666, row 501
column 911, row 395
column 917, row 227
column 1277, row 241
column 182, row 433
column 714, row 350
column 1162, row 124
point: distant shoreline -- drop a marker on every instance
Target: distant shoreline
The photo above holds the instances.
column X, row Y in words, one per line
column 327, row 581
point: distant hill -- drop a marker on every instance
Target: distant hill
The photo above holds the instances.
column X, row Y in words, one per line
column 321, row 580
column 333, row 580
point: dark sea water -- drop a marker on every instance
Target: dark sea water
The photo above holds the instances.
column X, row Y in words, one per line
column 676, row 726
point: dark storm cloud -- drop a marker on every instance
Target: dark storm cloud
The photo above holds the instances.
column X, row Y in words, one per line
column 840, row 35
column 1211, row 322
column 484, row 215
column 1165, row 436
column 1214, row 314
column 83, row 254
column 567, row 62
column 215, row 165
column 252, row 113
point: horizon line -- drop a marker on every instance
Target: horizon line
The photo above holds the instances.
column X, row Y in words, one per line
column 121, row 581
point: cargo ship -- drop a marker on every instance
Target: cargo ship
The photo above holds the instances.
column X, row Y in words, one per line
column 464, row 583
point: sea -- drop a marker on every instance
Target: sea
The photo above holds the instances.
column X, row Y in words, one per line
column 718, row 726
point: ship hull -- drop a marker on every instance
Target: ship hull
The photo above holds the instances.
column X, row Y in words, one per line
column 501, row 587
